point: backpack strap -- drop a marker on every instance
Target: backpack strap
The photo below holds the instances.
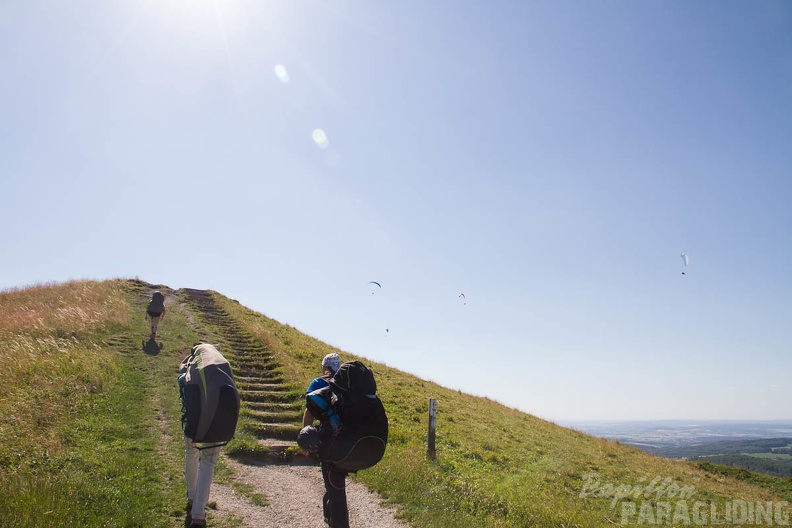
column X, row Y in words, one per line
column 202, row 447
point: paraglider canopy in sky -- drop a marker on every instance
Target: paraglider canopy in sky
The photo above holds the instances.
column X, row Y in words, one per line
column 464, row 299
column 377, row 284
column 685, row 260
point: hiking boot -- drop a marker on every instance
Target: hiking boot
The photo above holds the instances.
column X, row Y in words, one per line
column 198, row 523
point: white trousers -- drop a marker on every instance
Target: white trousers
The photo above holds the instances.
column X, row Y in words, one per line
column 199, row 466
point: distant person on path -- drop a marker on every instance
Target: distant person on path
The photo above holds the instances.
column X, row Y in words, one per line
column 334, row 502
column 155, row 311
column 210, row 412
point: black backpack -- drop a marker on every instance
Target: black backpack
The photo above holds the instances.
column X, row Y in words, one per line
column 354, row 422
column 156, row 305
column 210, row 400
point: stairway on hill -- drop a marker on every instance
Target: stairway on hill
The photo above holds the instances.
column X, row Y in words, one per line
column 275, row 409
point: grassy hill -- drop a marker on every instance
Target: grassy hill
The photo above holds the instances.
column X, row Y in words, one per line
column 90, row 433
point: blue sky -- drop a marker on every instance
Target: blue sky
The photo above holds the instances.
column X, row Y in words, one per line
column 550, row 160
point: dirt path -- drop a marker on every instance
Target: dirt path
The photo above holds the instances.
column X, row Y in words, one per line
column 295, row 494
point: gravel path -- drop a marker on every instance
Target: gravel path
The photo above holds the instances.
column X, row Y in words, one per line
column 295, row 494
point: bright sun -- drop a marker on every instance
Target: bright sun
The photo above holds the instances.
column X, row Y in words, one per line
column 222, row 13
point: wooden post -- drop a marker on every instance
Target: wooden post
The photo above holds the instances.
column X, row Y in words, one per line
column 430, row 452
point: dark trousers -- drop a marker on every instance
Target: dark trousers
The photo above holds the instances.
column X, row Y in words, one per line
column 334, row 502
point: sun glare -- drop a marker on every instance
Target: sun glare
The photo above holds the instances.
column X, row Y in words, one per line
column 210, row 7
column 224, row 14
column 237, row 22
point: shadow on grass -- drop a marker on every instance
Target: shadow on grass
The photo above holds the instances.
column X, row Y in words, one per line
column 151, row 347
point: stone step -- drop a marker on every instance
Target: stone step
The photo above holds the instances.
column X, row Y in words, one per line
column 261, row 386
column 275, row 407
column 279, row 452
column 254, row 363
column 273, row 417
column 268, row 396
column 275, row 430
column 256, row 379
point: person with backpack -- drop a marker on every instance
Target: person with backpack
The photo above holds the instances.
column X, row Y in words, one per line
column 210, row 410
column 155, row 311
column 352, row 435
column 334, row 481
column 330, row 364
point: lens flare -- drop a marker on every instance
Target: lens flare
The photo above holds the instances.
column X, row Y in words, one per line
column 281, row 73
column 320, row 138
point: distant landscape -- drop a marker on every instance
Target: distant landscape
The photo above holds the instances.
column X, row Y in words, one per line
column 759, row 446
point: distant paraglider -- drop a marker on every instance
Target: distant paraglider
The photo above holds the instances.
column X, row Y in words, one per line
column 685, row 261
column 464, row 299
column 375, row 283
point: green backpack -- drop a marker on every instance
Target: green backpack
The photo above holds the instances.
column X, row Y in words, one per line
column 210, row 400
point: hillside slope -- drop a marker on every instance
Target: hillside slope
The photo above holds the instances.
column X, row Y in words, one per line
column 78, row 362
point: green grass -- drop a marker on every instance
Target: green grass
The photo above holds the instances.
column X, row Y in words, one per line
column 102, row 444
column 90, row 436
column 779, row 486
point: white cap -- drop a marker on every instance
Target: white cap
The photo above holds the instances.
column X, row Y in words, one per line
column 332, row 361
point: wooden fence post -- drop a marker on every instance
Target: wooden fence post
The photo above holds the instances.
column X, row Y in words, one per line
column 430, row 452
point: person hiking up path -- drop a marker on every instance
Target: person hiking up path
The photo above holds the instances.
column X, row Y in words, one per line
column 334, row 502
column 155, row 311
column 210, row 402
column 352, row 436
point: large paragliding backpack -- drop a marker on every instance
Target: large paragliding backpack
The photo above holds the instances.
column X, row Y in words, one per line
column 355, row 426
column 210, row 400
column 157, row 304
